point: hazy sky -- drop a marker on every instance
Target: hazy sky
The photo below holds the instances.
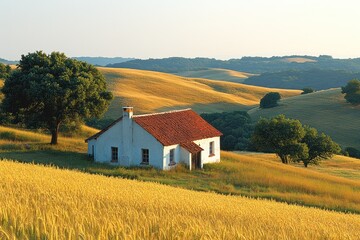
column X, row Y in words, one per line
column 189, row 28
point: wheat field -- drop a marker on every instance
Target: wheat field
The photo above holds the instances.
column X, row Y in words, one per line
column 149, row 91
column 38, row 202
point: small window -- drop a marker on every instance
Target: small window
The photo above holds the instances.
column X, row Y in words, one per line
column 172, row 156
column 211, row 149
column 92, row 150
column 145, row 156
column 114, row 154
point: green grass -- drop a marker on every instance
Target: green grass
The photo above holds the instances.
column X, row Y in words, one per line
column 217, row 74
column 325, row 110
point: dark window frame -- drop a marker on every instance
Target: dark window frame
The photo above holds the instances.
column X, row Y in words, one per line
column 145, row 156
column 212, row 148
column 114, row 154
column 172, row 157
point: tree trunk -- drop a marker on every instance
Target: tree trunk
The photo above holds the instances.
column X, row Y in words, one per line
column 54, row 134
column 306, row 164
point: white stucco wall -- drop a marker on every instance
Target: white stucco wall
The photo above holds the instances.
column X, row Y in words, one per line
column 143, row 139
column 205, row 154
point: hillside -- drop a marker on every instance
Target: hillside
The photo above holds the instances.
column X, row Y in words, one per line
column 317, row 79
column 325, row 110
column 48, row 203
column 103, row 61
column 245, row 64
column 150, row 91
column 217, row 74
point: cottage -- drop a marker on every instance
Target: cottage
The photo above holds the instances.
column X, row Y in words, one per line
column 161, row 140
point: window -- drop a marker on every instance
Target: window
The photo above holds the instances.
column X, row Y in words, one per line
column 114, row 154
column 172, row 157
column 211, row 149
column 145, row 156
column 92, row 150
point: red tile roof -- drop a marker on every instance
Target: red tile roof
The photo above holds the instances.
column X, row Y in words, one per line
column 176, row 127
column 191, row 147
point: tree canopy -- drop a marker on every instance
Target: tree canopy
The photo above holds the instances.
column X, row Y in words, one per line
column 4, row 70
column 237, row 128
column 291, row 141
column 352, row 92
column 270, row 100
column 307, row 90
column 49, row 90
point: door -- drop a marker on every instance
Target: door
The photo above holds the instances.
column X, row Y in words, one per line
column 196, row 160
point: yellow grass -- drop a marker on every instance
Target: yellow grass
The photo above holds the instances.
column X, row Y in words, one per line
column 16, row 139
column 299, row 60
column 149, row 91
column 217, row 74
column 40, row 202
column 325, row 110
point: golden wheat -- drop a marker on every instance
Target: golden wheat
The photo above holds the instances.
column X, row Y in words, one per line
column 41, row 202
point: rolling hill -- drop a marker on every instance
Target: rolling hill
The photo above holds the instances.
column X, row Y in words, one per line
column 325, row 110
column 149, row 91
column 48, row 203
column 217, row 74
column 317, row 79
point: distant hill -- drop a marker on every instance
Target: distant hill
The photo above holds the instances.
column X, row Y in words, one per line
column 245, row 64
column 325, row 110
column 103, row 61
column 318, row 79
column 217, row 74
column 4, row 61
column 149, row 91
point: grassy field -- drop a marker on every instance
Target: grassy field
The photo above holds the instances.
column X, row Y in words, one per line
column 325, row 110
column 149, row 91
column 334, row 184
column 39, row 202
column 299, row 60
column 217, row 74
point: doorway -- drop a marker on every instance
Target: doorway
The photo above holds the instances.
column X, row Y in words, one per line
column 196, row 160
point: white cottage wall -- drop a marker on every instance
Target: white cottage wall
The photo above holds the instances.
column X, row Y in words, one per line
column 144, row 140
column 177, row 155
column 205, row 154
column 108, row 139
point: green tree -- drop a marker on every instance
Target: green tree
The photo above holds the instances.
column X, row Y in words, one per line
column 291, row 141
column 307, row 90
column 352, row 92
column 320, row 146
column 270, row 100
column 4, row 70
column 50, row 90
column 282, row 136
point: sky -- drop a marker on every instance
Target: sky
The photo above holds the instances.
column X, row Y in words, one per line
column 221, row 29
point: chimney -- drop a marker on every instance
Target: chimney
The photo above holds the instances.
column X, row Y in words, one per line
column 128, row 112
column 127, row 136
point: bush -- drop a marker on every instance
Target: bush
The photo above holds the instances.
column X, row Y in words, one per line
column 270, row 100
column 307, row 90
column 352, row 92
column 352, row 152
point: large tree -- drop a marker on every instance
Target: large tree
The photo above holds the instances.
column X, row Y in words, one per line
column 320, row 146
column 282, row 136
column 352, row 92
column 50, row 90
column 291, row 141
